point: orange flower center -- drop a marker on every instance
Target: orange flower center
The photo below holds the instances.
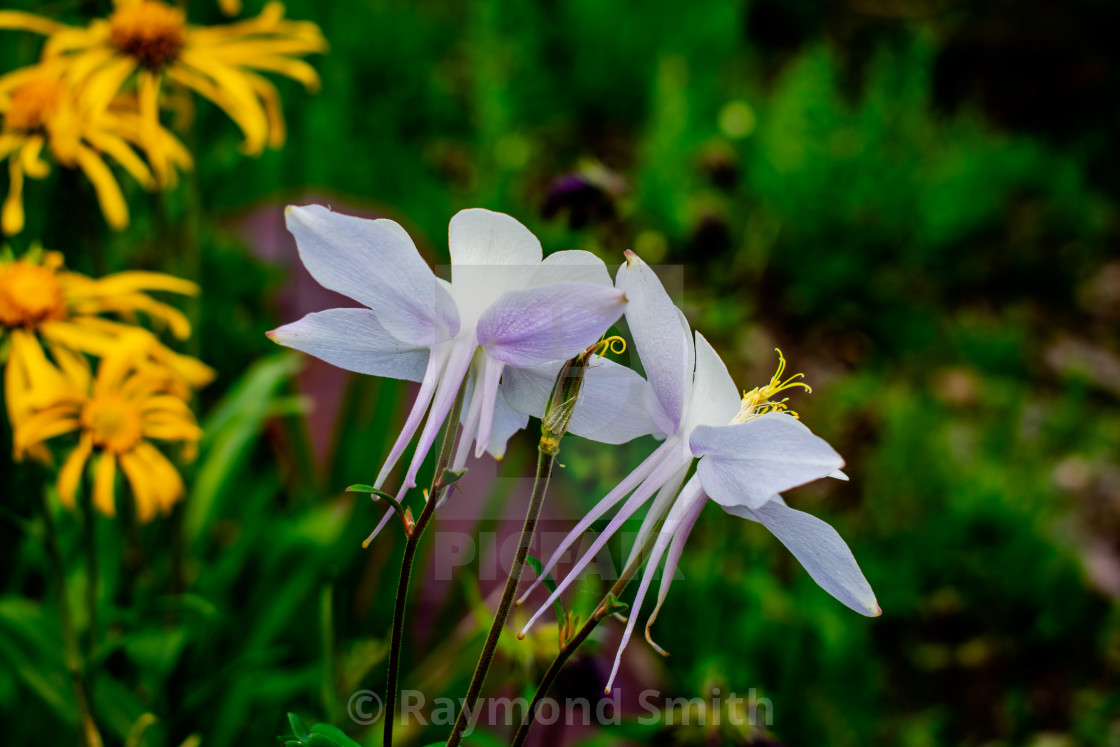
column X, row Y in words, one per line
column 32, row 103
column 29, row 294
column 112, row 422
column 150, row 31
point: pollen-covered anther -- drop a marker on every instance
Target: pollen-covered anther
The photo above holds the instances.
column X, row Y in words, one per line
column 150, row 31
column 32, row 104
column 760, row 400
column 29, row 294
column 112, row 422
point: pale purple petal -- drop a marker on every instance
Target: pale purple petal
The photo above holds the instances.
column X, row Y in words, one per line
column 483, row 237
column 660, row 455
column 820, row 549
column 662, row 338
column 715, row 398
column 662, row 472
column 436, row 362
column 694, row 499
column 548, row 323
column 353, row 339
column 745, row 464
column 575, row 265
column 375, row 263
column 612, row 402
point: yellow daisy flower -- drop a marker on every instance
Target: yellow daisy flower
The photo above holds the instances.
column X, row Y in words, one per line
column 151, row 41
column 41, row 113
column 116, row 415
column 43, row 304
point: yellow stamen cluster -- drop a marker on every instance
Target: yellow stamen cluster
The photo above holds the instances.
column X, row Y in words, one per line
column 29, row 294
column 760, row 400
column 32, row 104
column 149, row 31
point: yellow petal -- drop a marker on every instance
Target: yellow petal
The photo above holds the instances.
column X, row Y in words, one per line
column 230, row 7
column 14, row 19
column 11, row 216
column 105, row 185
column 71, row 473
column 43, row 426
column 231, row 92
column 78, row 334
column 30, row 157
column 132, row 281
column 168, row 486
column 142, row 483
column 104, row 482
column 114, row 146
column 105, row 83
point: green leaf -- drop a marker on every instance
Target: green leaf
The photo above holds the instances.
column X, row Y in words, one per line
column 549, row 583
column 330, row 736
column 299, row 728
column 451, row 476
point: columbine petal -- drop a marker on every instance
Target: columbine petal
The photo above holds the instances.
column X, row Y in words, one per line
column 820, row 549
column 661, row 473
column 574, row 265
column 611, row 408
column 715, row 398
column 747, row 463
column 507, row 421
column 375, row 263
column 630, row 482
column 353, row 339
column 679, row 514
column 547, row 323
column 483, row 237
column 662, row 337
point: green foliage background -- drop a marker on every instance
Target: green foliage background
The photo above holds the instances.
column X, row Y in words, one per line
column 832, row 180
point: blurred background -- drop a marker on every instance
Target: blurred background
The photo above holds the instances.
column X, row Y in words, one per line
column 914, row 199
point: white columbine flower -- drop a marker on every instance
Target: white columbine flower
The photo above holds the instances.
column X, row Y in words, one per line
column 750, row 448
column 504, row 309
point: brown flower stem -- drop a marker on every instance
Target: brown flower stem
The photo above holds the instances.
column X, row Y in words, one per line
column 91, row 737
column 435, row 495
column 606, row 607
column 540, row 486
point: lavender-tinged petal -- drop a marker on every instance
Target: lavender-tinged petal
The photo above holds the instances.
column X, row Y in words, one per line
column 375, row 263
column 636, row 606
column 490, row 383
column 651, row 484
column 483, row 237
column 574, row 265
column 612, row 403
column 747, row 463
column 821, row 551
column 661, row 503
column 661, row 336
column 436, row 362
column 617, row 493
column 457, row 364
column 354, row 340
column 548, row 323
column 693, row 498
column 715, row 398
column 507, row 422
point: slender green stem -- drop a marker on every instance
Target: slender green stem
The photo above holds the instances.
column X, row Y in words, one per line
column 435, row 495
column 540, row 487
column 604, row 609
column 93, row 566
column 91, row 737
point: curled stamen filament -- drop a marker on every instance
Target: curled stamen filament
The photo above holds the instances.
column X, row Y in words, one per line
column 614, row 344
